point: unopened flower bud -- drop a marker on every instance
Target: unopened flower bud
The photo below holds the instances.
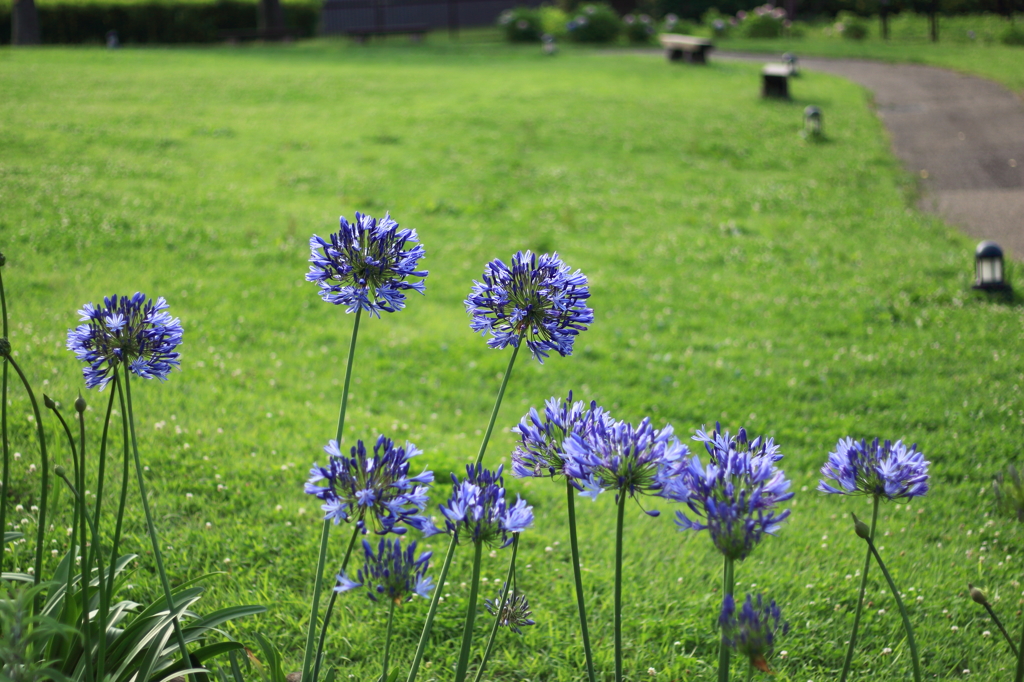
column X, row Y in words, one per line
column 48, row 402
column 862, row 528
column 5, row 347
column 59, row 470
column 80, row 404
column 977, row 595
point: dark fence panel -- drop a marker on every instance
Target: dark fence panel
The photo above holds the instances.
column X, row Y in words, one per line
column 341, row 16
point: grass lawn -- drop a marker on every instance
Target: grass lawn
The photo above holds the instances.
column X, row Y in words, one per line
column 738, row 274
column 966, row 43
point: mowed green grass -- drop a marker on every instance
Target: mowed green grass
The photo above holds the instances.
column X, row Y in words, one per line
column 739, row 273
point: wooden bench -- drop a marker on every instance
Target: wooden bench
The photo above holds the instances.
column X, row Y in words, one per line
column 691, row 49
column 414, row 31
column 775, row 81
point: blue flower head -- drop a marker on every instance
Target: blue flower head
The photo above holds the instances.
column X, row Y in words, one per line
column 540, row 451
column 621, row 457
column 514, row 613
column 736, row 494
column 752, row 632
column 364, row 265
column 884, row 469
column 374, row 491
column 538, row 299
column 478, row 510
column 131, row 331
column 391, row 574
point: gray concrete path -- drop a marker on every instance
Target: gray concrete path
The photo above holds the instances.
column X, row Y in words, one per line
column 963, row 135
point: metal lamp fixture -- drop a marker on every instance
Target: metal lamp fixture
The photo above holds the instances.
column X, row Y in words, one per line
column 812, row 121
column 988, row 265
column 789, row 59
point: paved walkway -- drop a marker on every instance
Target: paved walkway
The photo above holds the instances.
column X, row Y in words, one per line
column 963, row 135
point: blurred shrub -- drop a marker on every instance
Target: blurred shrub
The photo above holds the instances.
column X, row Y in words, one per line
column 639, row 28
column 594, row 23
column 521, row 25
column 850, row 26
column 1013, row 35
column 553, row 21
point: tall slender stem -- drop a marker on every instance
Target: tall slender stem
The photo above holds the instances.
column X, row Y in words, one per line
column 46, row 475
column 860, row 598
column 93, row 554
column 502, row 599
column 999, row 624
column 96, row 553
column 1019, row 676
column 5, row 482
column 185, row 660
column 750, row 670
column 76, row 519
column 330, row 608
column 574, row 545
column 101, row 475
column 311, row 655
column 387, row 642
column 618, row 584
column 728, row 586
column 125, row 471
column 435, row 598
column 497, row 403
column 86, row 565
column 915, row 659
column 467, row 630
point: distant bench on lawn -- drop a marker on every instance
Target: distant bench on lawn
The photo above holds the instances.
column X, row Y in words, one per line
column 692, row 49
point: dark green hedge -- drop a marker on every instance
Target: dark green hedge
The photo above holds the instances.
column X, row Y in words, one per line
column 156, row 22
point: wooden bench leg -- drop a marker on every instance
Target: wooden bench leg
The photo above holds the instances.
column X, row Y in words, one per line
column 674, row 55
column 774, row 86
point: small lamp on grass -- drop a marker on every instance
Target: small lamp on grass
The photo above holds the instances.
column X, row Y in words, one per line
column 550, row 47
column 812, row 122
column 789, row 59
column 988, row 264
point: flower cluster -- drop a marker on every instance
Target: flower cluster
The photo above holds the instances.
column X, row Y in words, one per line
column 538, row 299
column 752, row 632
column 736, row 494
column 365, row 263
column 540, row 451
column 478, row 507
column 514, row 612
column 883, row 469
column 391, row 573
column 622, row 457
column 133, row 331
column 376, row 492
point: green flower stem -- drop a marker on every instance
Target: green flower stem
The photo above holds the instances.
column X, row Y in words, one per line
column 330, row 608
column 999, row 624
column 503, row 597
column 6, row 478
column 94, row 555
column 497, row 403
column 750, row 670
column 387, row 642
column 325, row 534
column 86, row 578
column 467, row 630
column 903, row 612
column 75, row 517
column 428, row 623
column 1019, row 676
column 618, row 585
column 86, row 565
column 431, row 612
column 125, row 470
column 103, row 462
column 46, row 477
column 186, row 661
column 860, row 598
column 728, row 586
column 570, row 495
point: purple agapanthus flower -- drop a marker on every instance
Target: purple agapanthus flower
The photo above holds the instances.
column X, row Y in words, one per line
column 374, row 491
column 884, row 469
column 364, row 265
column 391, row 574
column 514, row 613
column 752, row 632
column 538, row 299
column 477, row 509
column 131, row 331
column 736, row 494
column 621, row 457
column 540, row 451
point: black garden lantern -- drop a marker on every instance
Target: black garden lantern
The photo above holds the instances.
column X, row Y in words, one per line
column 988, row 264
column 812, row 121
